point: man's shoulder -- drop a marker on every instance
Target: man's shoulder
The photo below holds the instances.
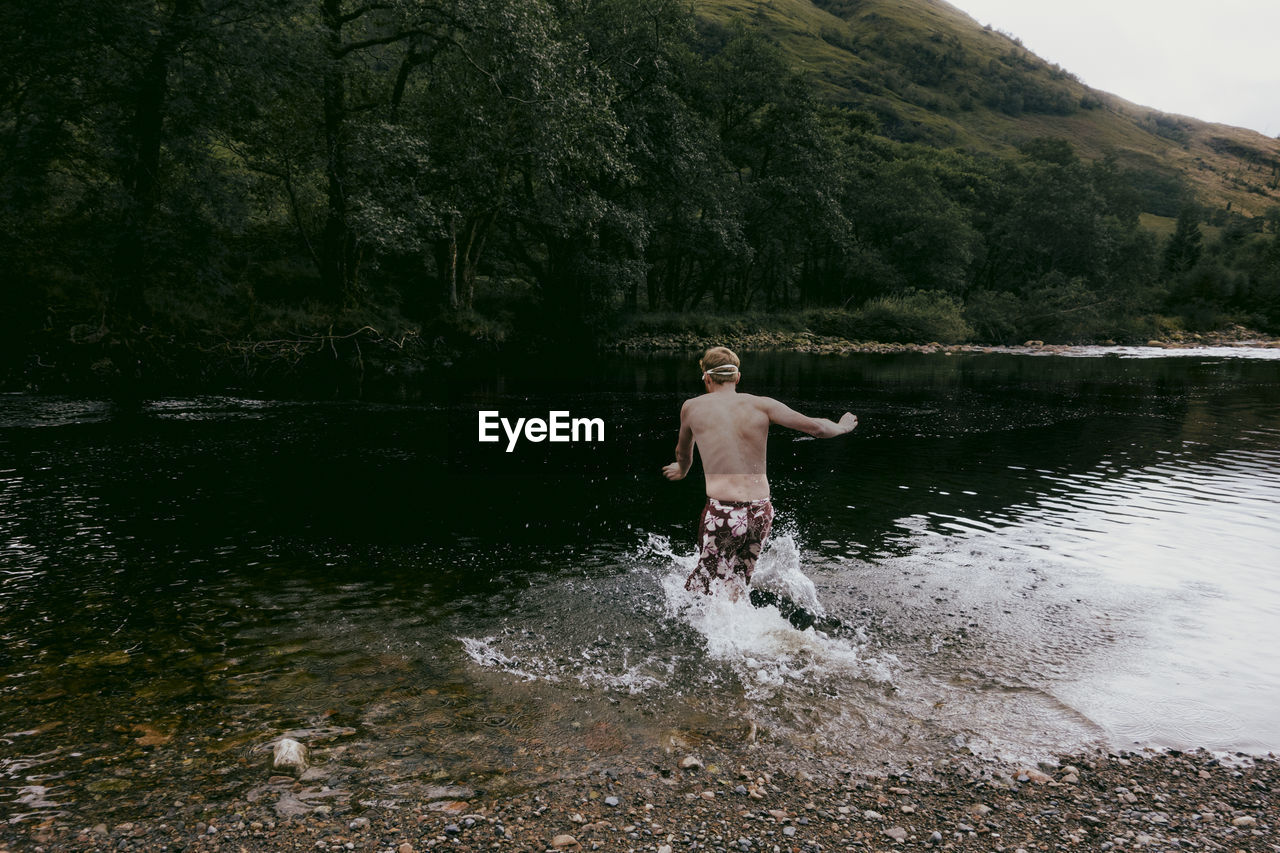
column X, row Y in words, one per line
column 758, row 401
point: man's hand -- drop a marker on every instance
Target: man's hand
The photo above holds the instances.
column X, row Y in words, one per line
column 674, row 471
column 848, row 422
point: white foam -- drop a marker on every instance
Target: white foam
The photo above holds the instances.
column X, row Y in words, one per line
column 484, row 651
column 765, row 651
column 533, row 657
column 779, row 571
column 672, row 640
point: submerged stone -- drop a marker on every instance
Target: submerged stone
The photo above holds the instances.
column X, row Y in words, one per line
column 290, row 756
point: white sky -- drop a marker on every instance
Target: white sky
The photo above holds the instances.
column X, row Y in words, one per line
column 1218, row 61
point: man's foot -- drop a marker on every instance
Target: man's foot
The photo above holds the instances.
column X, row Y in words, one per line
column 792, row 612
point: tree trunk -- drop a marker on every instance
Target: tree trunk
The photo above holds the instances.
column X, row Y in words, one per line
column 653, row 291
column 477, row 234
column 336, row 267
column 142, row 176
column 417, row 54
column 451, row 270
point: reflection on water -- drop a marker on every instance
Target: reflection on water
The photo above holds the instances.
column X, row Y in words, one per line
column 1020, row 554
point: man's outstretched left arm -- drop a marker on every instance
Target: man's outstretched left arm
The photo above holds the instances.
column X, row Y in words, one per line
column 784, row 415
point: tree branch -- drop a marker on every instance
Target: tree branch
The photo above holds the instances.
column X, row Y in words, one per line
column 363, row 10
column 374, row 42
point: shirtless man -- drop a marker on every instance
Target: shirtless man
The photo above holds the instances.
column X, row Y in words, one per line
column 731, row 431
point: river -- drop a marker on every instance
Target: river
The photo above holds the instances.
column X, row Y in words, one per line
column 1018, row 555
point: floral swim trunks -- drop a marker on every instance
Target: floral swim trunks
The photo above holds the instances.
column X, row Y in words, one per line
column 731, row 535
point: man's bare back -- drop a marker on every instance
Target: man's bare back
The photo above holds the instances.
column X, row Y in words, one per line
column 731, row 431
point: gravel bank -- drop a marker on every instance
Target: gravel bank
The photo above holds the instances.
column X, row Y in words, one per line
column 719, row 801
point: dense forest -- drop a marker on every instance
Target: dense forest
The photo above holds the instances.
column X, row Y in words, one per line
column 256, row 178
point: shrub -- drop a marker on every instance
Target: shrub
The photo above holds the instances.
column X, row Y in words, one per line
column 996, row 317
column 913, row 316
column 705, row 325
column 836, row 322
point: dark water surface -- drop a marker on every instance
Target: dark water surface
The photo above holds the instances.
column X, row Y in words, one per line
column 1023, row 554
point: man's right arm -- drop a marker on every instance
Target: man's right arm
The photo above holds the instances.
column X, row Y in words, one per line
column 684, row 448
column 783, row 415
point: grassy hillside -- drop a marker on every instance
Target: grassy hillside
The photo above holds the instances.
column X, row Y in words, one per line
column 931, row 73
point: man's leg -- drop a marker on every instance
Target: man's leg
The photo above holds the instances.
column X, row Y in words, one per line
column 709, row 523
column 754, row 529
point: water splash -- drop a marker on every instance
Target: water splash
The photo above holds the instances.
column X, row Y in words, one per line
column 486, row 652
column 767, row 654
column 651, row 636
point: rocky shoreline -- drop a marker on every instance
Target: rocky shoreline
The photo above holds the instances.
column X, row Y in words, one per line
column 809, row 342
column 718, row 800
column 325, row 364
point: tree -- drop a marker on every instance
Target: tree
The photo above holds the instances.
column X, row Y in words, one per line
column 1183, row 249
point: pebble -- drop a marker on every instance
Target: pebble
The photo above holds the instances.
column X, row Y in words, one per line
column 788, row 831
column 447, row 792
column 870, row 815
column 935, row 837
column 405, row 847
column 897, row 833
column 1244, row 820
column 561, row 842
column 359, row 823
column 690, row 762
column 610, row 801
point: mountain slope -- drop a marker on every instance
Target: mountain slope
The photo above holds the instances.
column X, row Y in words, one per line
column 931, row 73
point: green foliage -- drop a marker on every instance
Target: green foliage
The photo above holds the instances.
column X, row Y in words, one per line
column 485, row 170
column 708, row 326
column 1183, row 249
column 914, row 316
column 1062, row 311
column 835, row 322
column 996, row 317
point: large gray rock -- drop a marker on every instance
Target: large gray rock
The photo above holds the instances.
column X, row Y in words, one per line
column 289, row 756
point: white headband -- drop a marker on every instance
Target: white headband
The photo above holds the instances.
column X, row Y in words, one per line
column 722, row 370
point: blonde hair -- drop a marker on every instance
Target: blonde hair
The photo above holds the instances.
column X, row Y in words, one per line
column 723, row 358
